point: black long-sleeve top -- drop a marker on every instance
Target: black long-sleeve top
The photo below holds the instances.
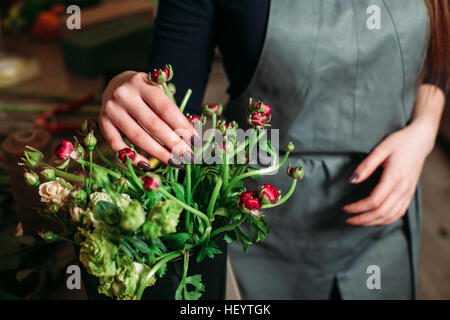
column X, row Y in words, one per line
column 188, row 31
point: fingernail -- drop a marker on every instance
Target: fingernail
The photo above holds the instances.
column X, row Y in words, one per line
column 175, row 162
column 188, row 157
column 354, row 178
column 194, row 140
column 144, row 166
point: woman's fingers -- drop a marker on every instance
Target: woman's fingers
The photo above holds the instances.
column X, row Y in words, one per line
column 122, row 120
column 370, row 164
column 377, row 216
column 115, row 141
column 385, row 186
column 158, row 129
column 167, row 111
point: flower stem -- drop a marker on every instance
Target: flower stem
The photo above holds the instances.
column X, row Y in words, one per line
column 167, row 92
column 257, row 172
column 225, row 172
column 63, row 174
column 185, row 99
column 228, row 227
column 212, row 201
column 134, row 177
column 109, row 163
column 211, row 136
column 284, row 198
column 153, row 270
column 185, row 206
column 188, row 194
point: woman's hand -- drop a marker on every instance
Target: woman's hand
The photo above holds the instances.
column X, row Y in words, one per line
column 402, row 156
column 147, row 117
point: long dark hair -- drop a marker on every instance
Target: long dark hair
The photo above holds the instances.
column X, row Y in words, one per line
column 437, row 61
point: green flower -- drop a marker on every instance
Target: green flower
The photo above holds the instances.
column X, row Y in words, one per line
column 126, row 283
column 133, row 216
column 98, row 254
column 162, row 219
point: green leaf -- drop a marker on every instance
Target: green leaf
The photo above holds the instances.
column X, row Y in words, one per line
column 196, row 281
column 178, row 189
column 212, row 249
column 176, row 241
column 159, row 245
column 230, row 236
column 245, row 239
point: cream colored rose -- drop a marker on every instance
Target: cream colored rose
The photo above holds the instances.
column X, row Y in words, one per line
column 53, row 191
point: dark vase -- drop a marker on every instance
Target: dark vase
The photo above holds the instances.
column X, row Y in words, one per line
column 213, row 273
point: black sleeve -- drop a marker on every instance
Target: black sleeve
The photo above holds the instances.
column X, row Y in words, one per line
column 185, row 38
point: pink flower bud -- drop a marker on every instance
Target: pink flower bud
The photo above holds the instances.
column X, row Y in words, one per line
column 261, row 107
column 151, row 182
column 258, row 119
column 249, row 203
column 213, row 109
column 295, row 172
column 126, row 153
column 193, row 119
column 160, row 76
column 64, row 150
column 268, row 194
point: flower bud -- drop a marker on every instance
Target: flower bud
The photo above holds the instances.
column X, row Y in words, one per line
column 268, row 194
column 249, row 203
column 64, row 150
column 121, row 185
column 260, row 107
column 193, row 119
column 90, row 141
column 258, row 119
column 87, row 126
column 32, row 178
column 213, row 109
column 290, row 146
column 295, row 172
column 53, row 207
column 49, row 236
column 78, row 196
column 126, row 153
column 160, row 76
column 227, row 128
column 33, row 157
column 151, row 182
column 48, row 174
column 101, row 178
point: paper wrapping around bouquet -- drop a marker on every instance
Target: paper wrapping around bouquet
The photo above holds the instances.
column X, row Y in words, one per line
column 26, row 197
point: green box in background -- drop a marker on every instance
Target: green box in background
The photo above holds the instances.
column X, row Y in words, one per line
column 110, row 48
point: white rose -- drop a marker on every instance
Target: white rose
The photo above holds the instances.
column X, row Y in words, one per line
column 53, row 191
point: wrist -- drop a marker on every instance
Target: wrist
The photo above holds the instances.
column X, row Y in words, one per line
column 425, row 131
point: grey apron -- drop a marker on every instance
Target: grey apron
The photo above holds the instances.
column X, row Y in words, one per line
column 337, row 89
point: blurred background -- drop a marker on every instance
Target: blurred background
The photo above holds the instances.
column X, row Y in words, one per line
column 52, row 78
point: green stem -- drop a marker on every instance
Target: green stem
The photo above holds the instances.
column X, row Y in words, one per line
column 185, row 99
column 90, row 171
column 63, row 174
column 284, row 198
column 94, row 165
column 63, row 184
column 225, row 172
column 153, row 270
column 211, row 136
column 212, row 201
column 109, row 163
column 188, row 194
column 257, row 172
column 228, row 227
column 134, row 177
column 167, row 92
column 185, row 206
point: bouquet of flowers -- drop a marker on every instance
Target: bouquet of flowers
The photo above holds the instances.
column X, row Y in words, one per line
column 130, row 223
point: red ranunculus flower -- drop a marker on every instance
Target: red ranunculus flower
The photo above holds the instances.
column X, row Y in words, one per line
column 258, row 119
column 64, row 150
column 124, row 153
column 249, row 203
column 151, row 182
column 268, row 194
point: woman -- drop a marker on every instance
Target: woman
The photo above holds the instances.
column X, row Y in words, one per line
column 346, row 81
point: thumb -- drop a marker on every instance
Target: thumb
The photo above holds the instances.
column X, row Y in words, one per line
column 369, row 164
